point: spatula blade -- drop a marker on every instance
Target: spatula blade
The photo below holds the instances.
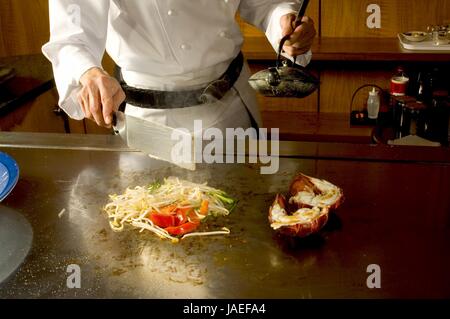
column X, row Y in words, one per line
column 160, row 141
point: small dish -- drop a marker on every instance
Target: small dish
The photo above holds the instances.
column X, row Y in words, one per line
column 415, row 36
column 440, row 37
column 9, row 175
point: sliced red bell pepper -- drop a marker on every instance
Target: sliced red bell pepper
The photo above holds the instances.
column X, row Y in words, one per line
column 185, row 210
column 168, row 209
column 164, row 220
column 169, row 216
column 182, row 229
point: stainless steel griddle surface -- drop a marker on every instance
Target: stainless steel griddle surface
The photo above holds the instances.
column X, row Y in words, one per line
column 389, row 219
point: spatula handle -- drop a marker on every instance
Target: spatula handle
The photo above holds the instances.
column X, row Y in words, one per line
column 118, row 118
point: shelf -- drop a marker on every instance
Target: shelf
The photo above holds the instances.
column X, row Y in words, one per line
column 316, row 127
column 348, row 49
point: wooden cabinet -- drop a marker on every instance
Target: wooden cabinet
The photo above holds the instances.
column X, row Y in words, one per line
column 24, row 26
column 339, row 83
column 347, row 54
column 347, row 18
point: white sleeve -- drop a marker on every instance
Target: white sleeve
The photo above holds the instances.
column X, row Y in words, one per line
column 266, row 15
column 77, row 43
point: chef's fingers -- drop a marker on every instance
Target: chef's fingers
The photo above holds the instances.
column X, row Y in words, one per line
column 297, row 50
column 303, row 33
column 293, row 52
column 95, row 106
column 299, row 47
column 108, row 87
column 287, row 22
column 108, row 109
column 119, row 98
column 301, row 43
column 83, row 100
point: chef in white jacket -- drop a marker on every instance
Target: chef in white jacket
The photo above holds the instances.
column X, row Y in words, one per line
column 166, row 46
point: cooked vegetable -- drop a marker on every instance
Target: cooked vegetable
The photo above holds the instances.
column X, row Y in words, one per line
column 183, row 229
column 171, row 209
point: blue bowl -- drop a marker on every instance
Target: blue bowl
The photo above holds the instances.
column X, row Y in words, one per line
column 9, row 175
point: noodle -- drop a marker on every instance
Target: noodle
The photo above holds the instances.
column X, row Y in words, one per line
column 134, row 206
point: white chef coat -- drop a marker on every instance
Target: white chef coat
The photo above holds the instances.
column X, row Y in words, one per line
column 160, row 45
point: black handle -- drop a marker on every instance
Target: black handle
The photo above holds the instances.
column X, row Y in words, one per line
column 121, row 109
column 301, row 12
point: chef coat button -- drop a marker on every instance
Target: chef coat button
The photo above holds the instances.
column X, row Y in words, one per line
column 170, row 12
column 226, row 1
column 223, row 34
column 185, row 46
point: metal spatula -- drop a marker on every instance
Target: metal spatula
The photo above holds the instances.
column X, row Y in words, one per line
column 155, row 139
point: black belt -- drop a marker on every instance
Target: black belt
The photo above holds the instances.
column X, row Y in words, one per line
column 213, row 92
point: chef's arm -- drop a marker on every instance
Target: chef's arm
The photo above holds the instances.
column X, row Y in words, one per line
column 275, row 18
column 77, row 43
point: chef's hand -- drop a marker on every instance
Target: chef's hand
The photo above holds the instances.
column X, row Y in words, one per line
column 100, row 96
column 301, row 38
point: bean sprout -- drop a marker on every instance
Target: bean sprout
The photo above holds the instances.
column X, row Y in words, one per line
column 133, row 206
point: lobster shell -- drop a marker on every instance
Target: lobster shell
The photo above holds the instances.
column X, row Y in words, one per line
column 302, row 182
column 300, row 229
